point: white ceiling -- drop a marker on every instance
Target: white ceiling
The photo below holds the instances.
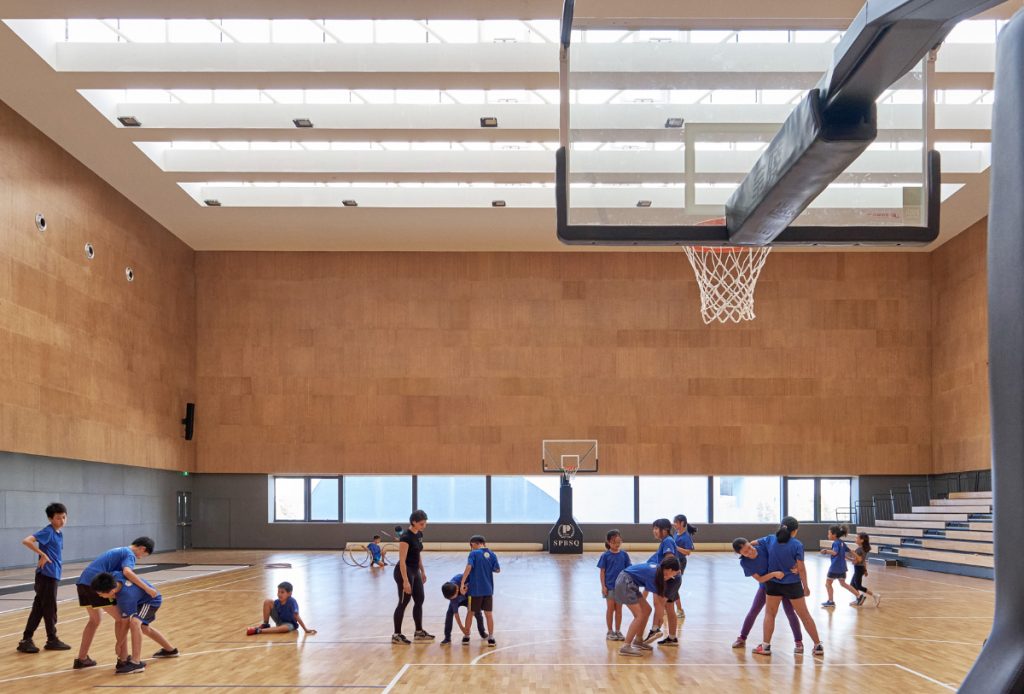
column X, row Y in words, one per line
column 396, row 122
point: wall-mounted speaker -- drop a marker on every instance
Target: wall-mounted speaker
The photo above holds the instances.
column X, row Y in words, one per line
column 189, row 420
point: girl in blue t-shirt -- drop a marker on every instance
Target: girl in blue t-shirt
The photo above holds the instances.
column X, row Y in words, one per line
column 837, row 569
column 631, row 589
column 786, row 553
column 611, row 563
column 662, row 531
column 683, row 536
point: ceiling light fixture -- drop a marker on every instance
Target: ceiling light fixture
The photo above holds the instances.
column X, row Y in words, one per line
column 129, row 121
column 674, row 123
column 643, row 203
column 211, row 202
column 498, row 203
column 350, row 203
column 302, row 122
column 489, row 122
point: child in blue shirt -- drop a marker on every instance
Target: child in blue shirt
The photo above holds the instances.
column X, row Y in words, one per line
column 376, row 552
column 450, row 591
column 137, row 606
column 632, row 587
column 786, row 554
column 478, row 581
column 683, row 535
column 611, row 563
column 284, row 612
column 662, row 530
column 754, row 562
column 48, row 543
column 837, row 569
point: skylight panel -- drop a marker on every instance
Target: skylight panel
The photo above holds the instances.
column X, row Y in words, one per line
column 352, row 30
column 90, row 31
column 143, row 30
column 247, row 30
column 297, row 31
column 400, row 31
column 194, row 31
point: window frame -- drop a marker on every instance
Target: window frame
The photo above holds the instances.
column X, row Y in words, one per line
column 307, row 500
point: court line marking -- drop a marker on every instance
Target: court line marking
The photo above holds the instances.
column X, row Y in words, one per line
column 396, row 678
column 925, row 677
column 238, row 686
column 908, row 638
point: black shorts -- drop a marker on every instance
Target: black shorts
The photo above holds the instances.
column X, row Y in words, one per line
column 837, row 574
column 87, row 597
column 672, row 588
column 482, row 602
column 793, row 591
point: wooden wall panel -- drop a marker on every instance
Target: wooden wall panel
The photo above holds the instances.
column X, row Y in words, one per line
column 91, row 367
column 464, row 362
column 961, row 437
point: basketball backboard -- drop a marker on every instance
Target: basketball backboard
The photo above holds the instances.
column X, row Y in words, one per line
column 573, row 455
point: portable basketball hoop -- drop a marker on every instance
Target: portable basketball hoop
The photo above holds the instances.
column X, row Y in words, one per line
column 569, row 457
column 727, row 276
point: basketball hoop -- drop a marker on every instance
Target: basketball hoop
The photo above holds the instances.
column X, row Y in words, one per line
column 570, row 465
column 727, row 276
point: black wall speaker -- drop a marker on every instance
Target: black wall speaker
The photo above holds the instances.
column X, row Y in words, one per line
column 190, row 419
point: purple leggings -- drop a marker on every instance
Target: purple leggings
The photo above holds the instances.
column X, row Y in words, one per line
column 758, row 605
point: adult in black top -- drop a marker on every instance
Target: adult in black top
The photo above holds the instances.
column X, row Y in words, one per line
column 410, row 577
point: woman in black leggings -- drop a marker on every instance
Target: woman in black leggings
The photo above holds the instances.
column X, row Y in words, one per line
column 410, row 577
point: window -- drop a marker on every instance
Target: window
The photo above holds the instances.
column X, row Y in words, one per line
column 800, row 498
column 664, row 497
column 453, row 499
column 835, row 495
column 532, row 499
column 289, row 499
column 746, row 499
column 323, row 499
column 601, row 499
column 378, row 498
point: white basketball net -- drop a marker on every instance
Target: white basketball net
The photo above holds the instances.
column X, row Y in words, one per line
column 727, row 276
column 570, row 465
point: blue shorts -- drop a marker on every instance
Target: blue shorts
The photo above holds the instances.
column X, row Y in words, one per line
column 146, row 613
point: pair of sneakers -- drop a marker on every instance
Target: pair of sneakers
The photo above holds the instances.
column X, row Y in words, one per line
column 635, row 649
column 766, row 649
column 29, row 646
column 419, row 637
column 127, row 667
column 614, row 636
column 741, row 642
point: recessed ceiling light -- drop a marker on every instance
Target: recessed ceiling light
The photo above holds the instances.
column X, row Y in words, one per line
column 674, row 123
column 643, row 203
column 489, row 122
column 129, row 121
column 498, row 203
column 211, row 202
column 350, row 203
column 302, row 122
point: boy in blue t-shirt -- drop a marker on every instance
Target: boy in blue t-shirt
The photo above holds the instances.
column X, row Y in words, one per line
column 478, row 581
column 837, row 568
column 611, row 563
column 376, row 552
column 137, row 605
column 120, row 560
column 284, row 612
column 450, row 591
column 48, row 543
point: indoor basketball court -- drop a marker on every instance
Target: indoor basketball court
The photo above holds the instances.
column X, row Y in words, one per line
column 554, row 346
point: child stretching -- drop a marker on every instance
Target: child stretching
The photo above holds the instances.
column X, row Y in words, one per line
column 450, row 591
column 376, row 553
column 684, row 533
column 285, row 613
column 859, row 557
column 611, row 563
column 632, row 588
column 755, row 564
column 139, row 609
column 662, row 531
column 478, row 581
column 837, row 571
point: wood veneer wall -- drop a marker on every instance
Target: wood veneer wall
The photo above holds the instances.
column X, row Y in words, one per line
column 91, row 367
column 464, row 362
column 961, row 438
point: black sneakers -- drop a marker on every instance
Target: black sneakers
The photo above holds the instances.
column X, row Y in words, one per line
column 56, row 645
column 164, row 653
column 27, row 646
column 400, row 639
column 82, row 663
column 465, row 640
column 129, row 668
column 422, row 636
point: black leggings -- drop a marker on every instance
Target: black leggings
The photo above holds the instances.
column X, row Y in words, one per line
column 858, row 577
column 403, row 598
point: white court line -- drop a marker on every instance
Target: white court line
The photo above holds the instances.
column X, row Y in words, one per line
column 394, row 680
column 925, row 677
column 907, row 638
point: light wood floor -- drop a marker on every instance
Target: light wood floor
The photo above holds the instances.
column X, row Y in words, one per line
column 549, row 628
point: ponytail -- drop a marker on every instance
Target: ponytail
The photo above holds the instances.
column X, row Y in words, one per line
column 608, row 538
column 866, row 546
column 839, row 531
column 670, row 562
column 786, row 529
column 692, row 529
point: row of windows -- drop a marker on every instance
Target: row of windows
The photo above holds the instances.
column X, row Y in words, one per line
column 534, row 499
